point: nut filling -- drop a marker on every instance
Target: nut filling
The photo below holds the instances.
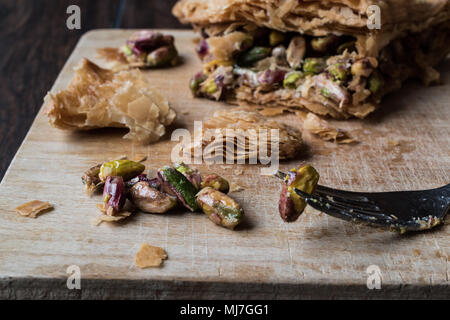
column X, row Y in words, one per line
column 327, row 74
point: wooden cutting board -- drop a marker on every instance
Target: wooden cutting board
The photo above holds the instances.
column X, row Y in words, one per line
column 404, row 146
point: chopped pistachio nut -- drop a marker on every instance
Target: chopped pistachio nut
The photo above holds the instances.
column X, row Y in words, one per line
column 253, row 55
column 195, row 83
column 177, row 184
column 276, row 37
column 216, row 182
column 209, row 87
column 314, row 65
column 323, row 44
column 290, row 81
column 338, row 71
column 325, row 93
column 162, row 57
column 126, row 169
column 375, row 82
column 304, row 179
column 220, row 208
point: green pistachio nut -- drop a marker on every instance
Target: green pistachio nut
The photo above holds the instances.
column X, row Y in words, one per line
column 253, row 55
column 126, row 50
column 375, row 82
column 126, row 169
column 338, row 71
column 323, row 44
column 216, row 182
column 314, row 65
column 195, row 83
column 290, row 80
column 324, row 92
column 163, row 56
column 305, row 179
column 276, row 37
column 181, row 185
column 220, row 208
column 209, row 87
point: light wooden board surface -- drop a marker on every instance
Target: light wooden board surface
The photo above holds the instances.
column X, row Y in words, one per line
column 317, row 256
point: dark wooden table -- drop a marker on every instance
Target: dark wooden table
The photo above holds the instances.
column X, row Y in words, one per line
column 35, row 43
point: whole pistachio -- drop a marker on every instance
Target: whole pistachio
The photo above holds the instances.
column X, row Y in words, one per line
column 163, row 56
column 314, row 65
column 216, row 182
column 149, row 199
column 220, row 208
column 290, row 80
column 270, row 77
column 127, row 169
column 324, row 44
column 291, row 205
column 254, row 54
column 276, row 37
column 91, row 180
column 296, row 52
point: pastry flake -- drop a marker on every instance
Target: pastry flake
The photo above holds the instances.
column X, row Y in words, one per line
column 325, row 131
column 33, row 208
column 149, row 256
column 98, row 98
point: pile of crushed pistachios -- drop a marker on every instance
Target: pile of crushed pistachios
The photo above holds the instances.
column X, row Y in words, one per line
column 174, row 186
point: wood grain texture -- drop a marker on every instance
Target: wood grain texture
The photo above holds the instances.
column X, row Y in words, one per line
column 317, row 256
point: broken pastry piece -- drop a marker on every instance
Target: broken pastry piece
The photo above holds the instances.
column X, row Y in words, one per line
column 33, row 208
column 325, row 131
column 315, row 55
column 98, row 98
column 105, row 218
column 242, row 134
column 144, row 49
column 149, row 256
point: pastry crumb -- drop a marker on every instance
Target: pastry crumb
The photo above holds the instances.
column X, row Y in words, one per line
column 272, row 111
column 149, row 256
column 325, row 131
column 33, row 208
column 98, row 98
column 393, row 143
column 106, row 218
